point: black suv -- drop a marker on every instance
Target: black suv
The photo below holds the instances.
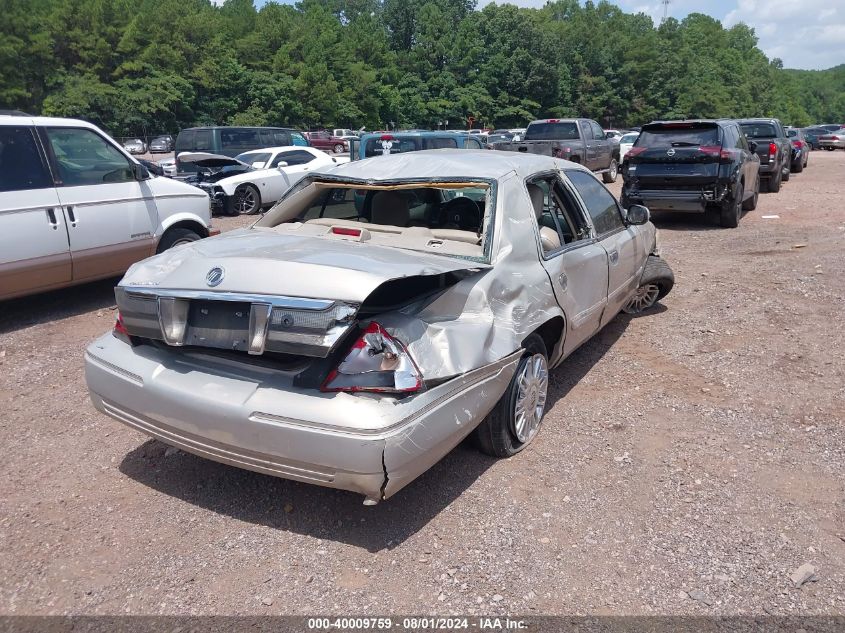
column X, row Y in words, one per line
column 773, row 147
column 693, row 166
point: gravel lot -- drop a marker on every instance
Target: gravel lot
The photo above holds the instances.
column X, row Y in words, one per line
column 691, row 461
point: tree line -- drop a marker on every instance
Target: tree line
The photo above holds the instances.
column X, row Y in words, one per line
column 146, row 66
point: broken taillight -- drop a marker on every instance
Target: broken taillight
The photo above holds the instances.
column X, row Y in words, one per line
column 377, row 362
column 120, row 330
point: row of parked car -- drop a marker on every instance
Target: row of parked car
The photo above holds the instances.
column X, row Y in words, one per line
column 716, row 167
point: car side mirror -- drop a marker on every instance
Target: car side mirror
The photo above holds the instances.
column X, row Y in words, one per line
column 281, row 164
column 752, row 146
column 637, row 214
column 141, row 172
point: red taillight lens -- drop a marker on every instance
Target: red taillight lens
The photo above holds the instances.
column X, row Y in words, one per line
column 634, row 151
column 716, row 150
column 377, row 362
column 386, row 137
column 120, row 330
column 773, row 149
column 797, row 144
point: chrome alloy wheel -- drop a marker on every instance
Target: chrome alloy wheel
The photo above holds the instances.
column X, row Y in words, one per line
column 530, row 403
column 645, row 297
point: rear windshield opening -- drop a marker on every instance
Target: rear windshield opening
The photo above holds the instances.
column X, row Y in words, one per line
column 758, row 130
column 389, row 145
column 678, row 137
column 443, row 218
column 567, row 131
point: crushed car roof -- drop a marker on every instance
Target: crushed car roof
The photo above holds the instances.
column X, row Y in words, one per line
column 446, row 164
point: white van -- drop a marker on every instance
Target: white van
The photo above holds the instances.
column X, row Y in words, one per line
column 75, row 206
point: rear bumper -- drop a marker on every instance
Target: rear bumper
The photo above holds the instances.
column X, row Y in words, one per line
column 834, row 144
column 254, row 418
column 678, row 199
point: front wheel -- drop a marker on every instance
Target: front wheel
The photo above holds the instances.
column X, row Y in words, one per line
column 247, row 200
column 338, row 149
column 516, row 419
column 612, row 172
column 176, row 237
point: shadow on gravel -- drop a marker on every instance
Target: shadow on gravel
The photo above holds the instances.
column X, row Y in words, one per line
column 17, row 314
column 671, row 221
column 334, row 514
column 306, row 509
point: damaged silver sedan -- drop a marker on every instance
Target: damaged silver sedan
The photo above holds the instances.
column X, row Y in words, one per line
column 378, row 314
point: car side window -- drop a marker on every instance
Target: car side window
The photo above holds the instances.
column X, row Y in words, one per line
column 601, row 205
column 86, row 158
column 472, row 143
column 297, row 157
column 559, row 222
column 202, row 141
column 586, row 131
column 22, row 166
column 298, row 139
column 597, row 131
column 741, row 141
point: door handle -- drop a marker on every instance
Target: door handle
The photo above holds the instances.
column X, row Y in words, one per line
column 563, row 281
column 71, row 216
column 51, row 218
column 614, row 257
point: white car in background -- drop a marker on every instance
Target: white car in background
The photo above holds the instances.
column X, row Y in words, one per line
column 253, row 180
column 76, row 207
column 626, row 143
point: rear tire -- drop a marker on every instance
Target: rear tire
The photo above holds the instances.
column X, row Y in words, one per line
column 612, row 172
column 797, row 169
column 773, row 186
column 732, row 211
column 338, row 149
column 499, row 433
column 786, row 175
column 751, row 203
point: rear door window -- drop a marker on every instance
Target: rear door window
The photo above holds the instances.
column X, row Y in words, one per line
column 440, row 143
column 22, row 165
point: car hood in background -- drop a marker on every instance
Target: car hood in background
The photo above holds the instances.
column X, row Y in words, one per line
column 204, row 159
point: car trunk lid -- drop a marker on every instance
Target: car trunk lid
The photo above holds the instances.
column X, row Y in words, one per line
column 255, row 291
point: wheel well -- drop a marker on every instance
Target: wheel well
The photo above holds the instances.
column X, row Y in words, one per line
column 551, row 332
column 191, row 225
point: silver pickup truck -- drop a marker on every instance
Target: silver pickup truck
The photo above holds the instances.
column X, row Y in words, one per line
column 579, row 140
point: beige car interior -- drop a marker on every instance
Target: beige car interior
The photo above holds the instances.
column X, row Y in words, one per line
column 390, row 221
column 548, row 237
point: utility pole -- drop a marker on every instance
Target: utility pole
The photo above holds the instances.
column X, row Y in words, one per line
column 665, row 4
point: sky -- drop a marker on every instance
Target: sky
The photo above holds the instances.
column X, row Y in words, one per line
column 806, row 34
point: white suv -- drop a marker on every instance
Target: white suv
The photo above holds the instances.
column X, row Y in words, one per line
column 75, row 207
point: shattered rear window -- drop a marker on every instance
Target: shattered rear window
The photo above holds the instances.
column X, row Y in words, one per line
column 446, row 218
